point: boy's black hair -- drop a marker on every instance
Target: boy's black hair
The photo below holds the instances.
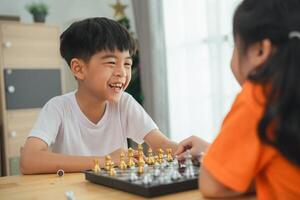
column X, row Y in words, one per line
column 255, row 20
column 85, row 38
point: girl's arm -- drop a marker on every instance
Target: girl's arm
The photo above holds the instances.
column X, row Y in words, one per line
column 210, row 187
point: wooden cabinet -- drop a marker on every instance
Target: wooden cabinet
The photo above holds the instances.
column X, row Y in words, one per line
column 30, row 74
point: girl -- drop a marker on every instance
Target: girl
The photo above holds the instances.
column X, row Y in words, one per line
column 258, row 147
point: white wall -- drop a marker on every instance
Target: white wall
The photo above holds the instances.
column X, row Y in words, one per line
column 62, row 13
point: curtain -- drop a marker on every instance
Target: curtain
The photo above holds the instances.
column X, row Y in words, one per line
column 201, row 86
column 150, row 32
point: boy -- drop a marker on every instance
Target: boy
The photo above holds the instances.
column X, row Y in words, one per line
column 97, row 119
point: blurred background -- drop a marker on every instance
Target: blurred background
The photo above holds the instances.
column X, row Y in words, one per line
column 181, row 74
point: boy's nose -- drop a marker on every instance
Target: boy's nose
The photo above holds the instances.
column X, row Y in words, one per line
column 120, row 71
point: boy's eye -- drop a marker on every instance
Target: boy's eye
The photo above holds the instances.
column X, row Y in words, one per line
column 111, row 63
column 128, row 65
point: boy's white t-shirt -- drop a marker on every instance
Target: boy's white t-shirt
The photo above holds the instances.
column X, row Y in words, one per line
column 63, row 126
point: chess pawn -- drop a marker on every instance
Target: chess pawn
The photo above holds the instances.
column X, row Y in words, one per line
column 169, row 155
column 130, row 158
column 140, row 148
column 133, row 176
column 160, row 156
column 123, row 164
column 175, row 163
column 189, row 170
column 107, row 162
column 141, row 167
column 156, row 160
column 97, row 168
column 150, row 159
column 141, row 158
column 112, row 171
column 156, row 169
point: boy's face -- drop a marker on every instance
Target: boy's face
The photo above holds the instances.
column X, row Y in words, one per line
column 107, row 74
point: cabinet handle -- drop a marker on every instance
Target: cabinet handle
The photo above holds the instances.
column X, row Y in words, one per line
column 11, row 89
column 13, row 134
column 7, row 44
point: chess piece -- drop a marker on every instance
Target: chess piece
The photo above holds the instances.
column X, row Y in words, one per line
column 130, row 158
column 160, row 156
column 140, row 154
column 164, row 178
column 164, row 162
column 147, row 178
column 70, row 195
column 169, row 155
column 97, row 168
column 140, row 148
column 189, row 170
column 141, row 158
column 175, row 163
column 150, row 159
column 141, row 166
column 133, row 176
column 156, row 169
column 175, row 175
column 107, row 162
column 112, row 171
column 123, row 164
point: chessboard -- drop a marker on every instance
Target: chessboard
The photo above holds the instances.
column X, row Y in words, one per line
column 161, row 178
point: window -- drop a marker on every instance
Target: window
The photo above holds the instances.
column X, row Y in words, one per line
column 200, row 83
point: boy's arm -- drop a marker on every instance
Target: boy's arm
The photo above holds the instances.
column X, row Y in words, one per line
column 156, row 139
column 36, row 159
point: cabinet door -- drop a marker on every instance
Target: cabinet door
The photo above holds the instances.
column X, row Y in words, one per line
column 19, row 123
column 31, row 88
column 32, row 46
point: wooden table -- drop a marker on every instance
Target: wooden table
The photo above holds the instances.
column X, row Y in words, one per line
column 50, row 186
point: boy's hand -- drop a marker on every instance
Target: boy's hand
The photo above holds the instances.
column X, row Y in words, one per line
column 194, row 143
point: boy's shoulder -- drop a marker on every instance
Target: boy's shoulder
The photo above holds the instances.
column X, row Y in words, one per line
column 126, row 99
column 62, row 100
column 125, row 96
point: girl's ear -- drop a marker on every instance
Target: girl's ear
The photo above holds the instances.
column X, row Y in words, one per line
column 77, row 68
column 259, row 52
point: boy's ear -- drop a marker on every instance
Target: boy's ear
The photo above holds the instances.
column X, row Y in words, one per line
column 259, row 53
column 76, row 66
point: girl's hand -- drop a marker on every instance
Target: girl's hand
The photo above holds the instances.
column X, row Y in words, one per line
column 194, row 143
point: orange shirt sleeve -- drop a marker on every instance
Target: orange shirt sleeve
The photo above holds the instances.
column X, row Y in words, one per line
column 235, row 156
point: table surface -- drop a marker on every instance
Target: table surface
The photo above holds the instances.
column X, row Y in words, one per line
column 50, row 186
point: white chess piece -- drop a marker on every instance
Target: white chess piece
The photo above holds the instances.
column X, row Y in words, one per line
column 133, row 176
column 147, row 178
column 164, row 163
column 156, row 170
column 175, row 162
column 70, row 195
column 189, row 170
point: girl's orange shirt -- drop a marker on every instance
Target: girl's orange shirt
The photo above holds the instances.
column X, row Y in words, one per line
column 237, row 157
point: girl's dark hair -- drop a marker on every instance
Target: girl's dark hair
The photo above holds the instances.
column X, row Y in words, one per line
column 85, row 38
column 255, row 20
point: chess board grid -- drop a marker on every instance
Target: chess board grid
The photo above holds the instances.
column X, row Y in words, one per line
column 150, row 190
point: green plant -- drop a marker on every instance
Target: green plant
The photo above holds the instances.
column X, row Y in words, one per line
column 37, row 8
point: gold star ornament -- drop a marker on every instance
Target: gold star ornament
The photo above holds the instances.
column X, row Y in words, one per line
column 119, row 10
